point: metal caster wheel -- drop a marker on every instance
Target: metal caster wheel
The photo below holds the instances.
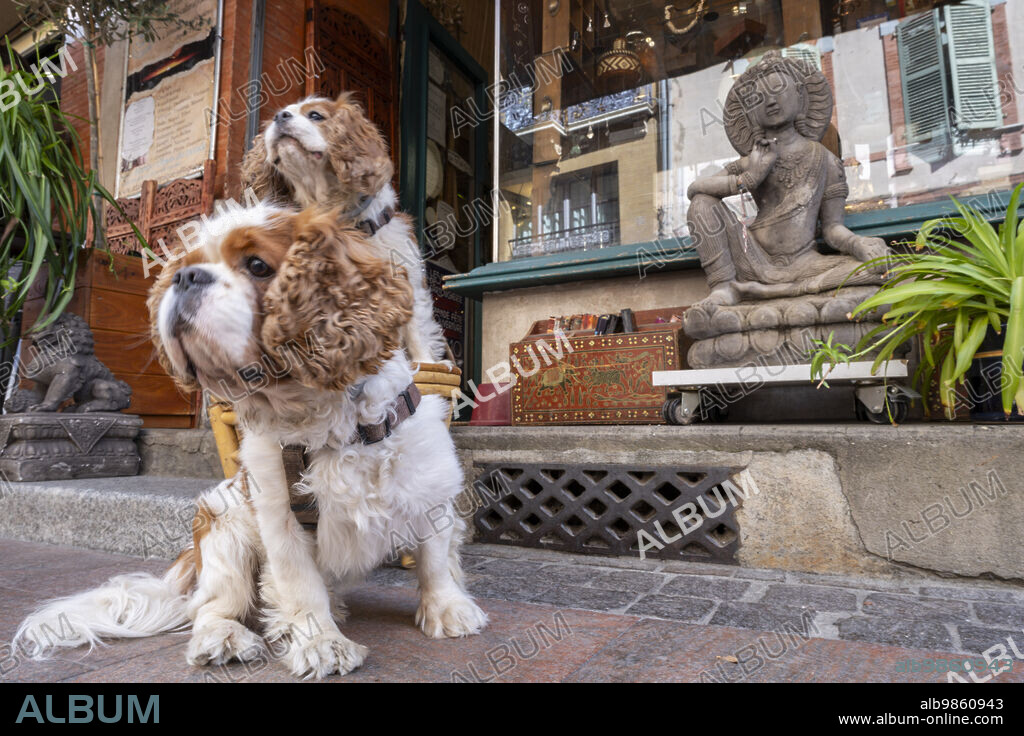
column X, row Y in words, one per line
column 681, row 410
column 888, row 408
column 669, row 409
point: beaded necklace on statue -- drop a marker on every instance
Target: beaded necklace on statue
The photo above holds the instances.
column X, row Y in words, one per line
column 790, row 168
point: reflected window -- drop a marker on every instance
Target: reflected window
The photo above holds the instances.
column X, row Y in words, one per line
column 609, row 109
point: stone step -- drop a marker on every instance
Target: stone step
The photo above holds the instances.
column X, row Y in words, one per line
column 189, row 453
column 144, row 516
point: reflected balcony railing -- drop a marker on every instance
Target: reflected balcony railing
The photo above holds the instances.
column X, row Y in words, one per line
column 587, row 237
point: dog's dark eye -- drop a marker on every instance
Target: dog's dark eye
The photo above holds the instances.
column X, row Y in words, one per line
column 315, row 116
column 258, row 267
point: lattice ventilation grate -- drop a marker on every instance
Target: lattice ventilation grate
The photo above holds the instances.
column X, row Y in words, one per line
column 601, row 510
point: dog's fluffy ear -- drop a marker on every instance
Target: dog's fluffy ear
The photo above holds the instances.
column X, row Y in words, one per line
column 336, row 302
column 259, row 175
column 356, row 149
column 156, row 294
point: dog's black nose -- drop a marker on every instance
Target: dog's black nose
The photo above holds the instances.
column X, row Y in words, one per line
column 281, row 116
column 192, row 277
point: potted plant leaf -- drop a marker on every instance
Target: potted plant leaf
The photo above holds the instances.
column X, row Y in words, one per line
column 960, row 283
column 47, row 202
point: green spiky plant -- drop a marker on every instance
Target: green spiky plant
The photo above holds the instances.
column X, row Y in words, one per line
column 46, row 200
column 827, row 351
column 961, row 278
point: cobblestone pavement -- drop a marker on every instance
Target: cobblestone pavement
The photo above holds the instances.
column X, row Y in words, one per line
column 564, row 617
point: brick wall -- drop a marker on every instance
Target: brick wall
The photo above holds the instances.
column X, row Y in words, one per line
column 1011, row 142
column 74, row 99
column 894, row 86
column 234, row 73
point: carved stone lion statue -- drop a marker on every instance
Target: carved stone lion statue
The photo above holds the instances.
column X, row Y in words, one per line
column 65, row 367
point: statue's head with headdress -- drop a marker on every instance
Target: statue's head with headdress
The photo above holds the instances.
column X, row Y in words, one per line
column 775, row 91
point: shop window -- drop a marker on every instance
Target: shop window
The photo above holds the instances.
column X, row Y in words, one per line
column 945, row 57
column 925, row 106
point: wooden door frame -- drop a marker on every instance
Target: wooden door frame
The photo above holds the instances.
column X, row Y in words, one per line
column 419, row 31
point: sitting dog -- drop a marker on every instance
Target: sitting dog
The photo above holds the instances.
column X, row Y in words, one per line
column 296, row 312
column 327, row 153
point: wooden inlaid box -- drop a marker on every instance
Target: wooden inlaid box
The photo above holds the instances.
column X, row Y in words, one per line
column 598, row 379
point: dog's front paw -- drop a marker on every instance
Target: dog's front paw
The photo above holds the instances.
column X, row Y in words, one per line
column 221, row 641
column 325, row 654
column 450, row 614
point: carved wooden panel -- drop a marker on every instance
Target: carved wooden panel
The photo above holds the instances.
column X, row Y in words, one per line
column 158, row 212
column 356, row 59
column 181, row 199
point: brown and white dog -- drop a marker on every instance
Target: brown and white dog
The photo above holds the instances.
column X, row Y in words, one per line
column 240, row 311
column 327, row 153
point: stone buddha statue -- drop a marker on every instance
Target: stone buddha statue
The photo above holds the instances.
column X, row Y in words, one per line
column 772, row 291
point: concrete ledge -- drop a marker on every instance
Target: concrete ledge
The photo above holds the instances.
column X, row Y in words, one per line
column 142, row 516
column 857, row 498
column 187, row 453
column 941, row 500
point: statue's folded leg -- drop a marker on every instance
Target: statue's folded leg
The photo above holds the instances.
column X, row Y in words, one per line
column 839, row 274
column 815, row 276
column 715, row 232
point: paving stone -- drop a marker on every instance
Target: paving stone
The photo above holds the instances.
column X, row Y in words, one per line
column 508, row 568
column 764, row 617
column 542, row 556
column 392, row 576
column 673, row 607
column 52, row 670
column 632, row 581
column 686, row 567
column 900, row 582
column 974, row 594
column 589, row 599
column 694, row 586
column 897, row 631
column 1000, row 614
column 752, row 573
column 913, row 608
column 600, row 647
column 811, row 596
column 471, row 561
column 978, row 639
column 18, row 555
column 520, row 588
column 565, row 574
column 673, row 651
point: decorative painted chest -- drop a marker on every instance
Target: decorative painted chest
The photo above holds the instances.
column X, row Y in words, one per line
column 595, row 379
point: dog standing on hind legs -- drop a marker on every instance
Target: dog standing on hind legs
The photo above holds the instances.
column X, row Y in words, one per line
column 382, row 467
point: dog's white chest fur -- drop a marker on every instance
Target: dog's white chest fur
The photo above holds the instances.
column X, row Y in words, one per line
column 377, row 500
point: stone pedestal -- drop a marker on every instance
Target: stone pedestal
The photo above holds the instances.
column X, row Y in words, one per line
column 774, row 331
column 780, row 346
column 58, row 446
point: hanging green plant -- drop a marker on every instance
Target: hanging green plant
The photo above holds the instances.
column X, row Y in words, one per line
column 46, row 199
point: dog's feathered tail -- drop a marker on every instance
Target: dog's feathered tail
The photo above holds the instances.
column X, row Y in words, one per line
column 126, row 606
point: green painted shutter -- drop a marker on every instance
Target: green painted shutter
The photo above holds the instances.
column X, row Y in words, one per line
column 923, row 75
column 972, row 59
